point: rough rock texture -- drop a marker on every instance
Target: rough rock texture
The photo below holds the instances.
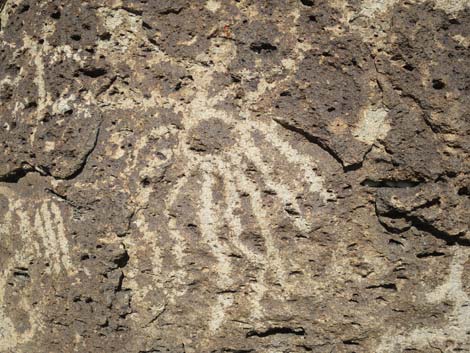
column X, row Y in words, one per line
column 234, row 176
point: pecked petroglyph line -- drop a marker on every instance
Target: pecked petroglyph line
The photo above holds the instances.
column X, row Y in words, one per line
column 273, row 259
column 20, row 219
column 26, row 230
column 5, row 7
column 282, row 191
column 8, row 338
column 36, row 52
column 458, row 320
column 8, row 334
column 371, row 8
column 47, row 243
column 259, row 287
column 303, row 161
column 41, row 227
column 208, row 220
column 179, row 241
column 151, row 236
column 56, row 219
column 233, row 202
column 258, row 210
column 48, row 225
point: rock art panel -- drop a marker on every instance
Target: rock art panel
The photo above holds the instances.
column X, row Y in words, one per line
column 234, row 176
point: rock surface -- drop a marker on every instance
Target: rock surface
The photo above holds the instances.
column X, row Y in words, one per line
column 234, row 176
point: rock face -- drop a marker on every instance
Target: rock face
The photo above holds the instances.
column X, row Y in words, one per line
column 234, row 176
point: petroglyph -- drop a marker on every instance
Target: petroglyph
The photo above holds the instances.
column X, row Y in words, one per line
column 371, row 8
column 41, row 227
column 49, row 226
column 228, row 162
column 234, row 176
column 42, row 221
column 209, row 229
column 455, row 329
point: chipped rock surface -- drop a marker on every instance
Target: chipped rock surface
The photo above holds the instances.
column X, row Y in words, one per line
column 234, row 176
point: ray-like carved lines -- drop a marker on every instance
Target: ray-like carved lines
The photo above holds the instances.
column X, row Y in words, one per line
column 232, row 200
column 261, row 216
column 301, row 160
column 286, row 196
column 56, row 219
column 254, row 154
column 209, row 223
column 179, row 241
column 54, row 243
column 142, row 198
column 49, row 225
column 8, row 337
column 143, row 227
column 273, row 258
column 25, row 228
column 201, row 108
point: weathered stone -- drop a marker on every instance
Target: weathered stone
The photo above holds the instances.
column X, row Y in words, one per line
column 234, row 176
